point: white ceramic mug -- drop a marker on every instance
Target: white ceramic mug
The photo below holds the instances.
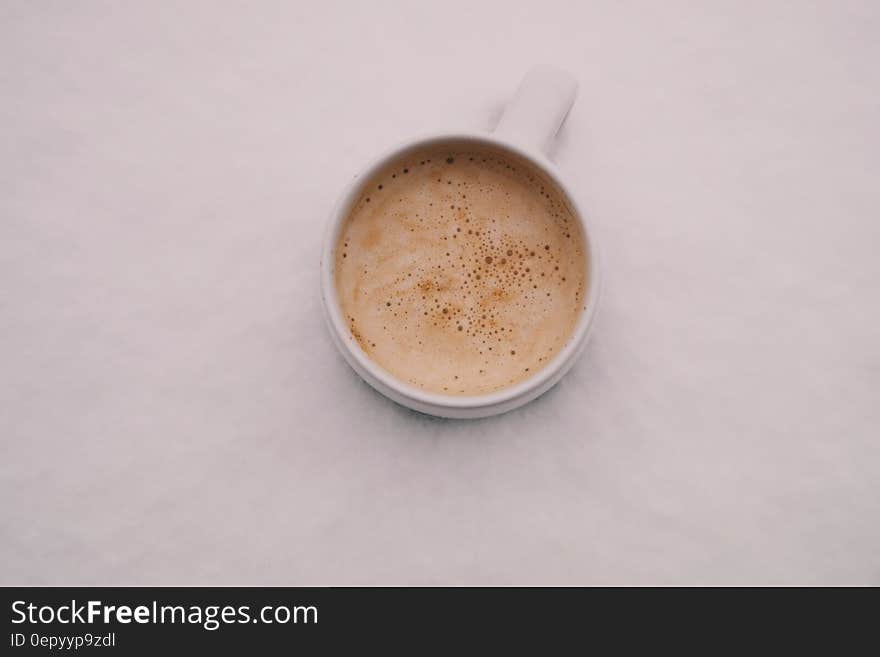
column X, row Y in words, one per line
column 526, row 131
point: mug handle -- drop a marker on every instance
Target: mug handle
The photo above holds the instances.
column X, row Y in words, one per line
column 536, row 113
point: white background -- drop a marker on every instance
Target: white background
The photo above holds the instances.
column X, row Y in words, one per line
column 172, row 410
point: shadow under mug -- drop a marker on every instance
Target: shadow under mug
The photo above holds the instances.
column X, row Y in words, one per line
column 525, row 133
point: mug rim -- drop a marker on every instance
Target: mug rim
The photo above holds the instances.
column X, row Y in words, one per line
column 360, row 360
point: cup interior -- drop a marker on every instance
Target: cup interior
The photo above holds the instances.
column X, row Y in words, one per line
column 401, row 390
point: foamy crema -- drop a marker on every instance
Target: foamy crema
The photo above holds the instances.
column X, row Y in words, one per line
column 460, row 271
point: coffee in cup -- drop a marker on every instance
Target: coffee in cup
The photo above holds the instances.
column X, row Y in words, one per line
column 460, row 269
